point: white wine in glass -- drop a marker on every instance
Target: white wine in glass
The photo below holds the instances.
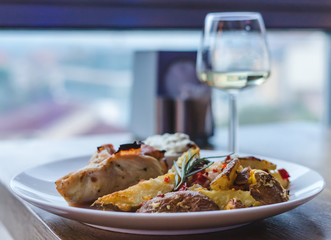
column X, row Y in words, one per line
column 233, row 55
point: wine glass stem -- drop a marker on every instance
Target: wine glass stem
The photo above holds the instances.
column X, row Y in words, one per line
column 233, row 123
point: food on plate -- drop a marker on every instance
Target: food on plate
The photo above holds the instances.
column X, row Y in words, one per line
column 266, row 189
column 110, row 171
column 226, row 178
column 234, row 204
column 181, row 201
column 228, row 183
column 223, row 197
column 174, row 145
column 130, row 199
column 255, row 163
column 135, row 178
column 282, row 176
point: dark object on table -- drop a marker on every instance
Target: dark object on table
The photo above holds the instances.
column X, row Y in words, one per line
column 167, row 90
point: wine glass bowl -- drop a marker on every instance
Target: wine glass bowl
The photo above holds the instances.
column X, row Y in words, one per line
column 233, row 55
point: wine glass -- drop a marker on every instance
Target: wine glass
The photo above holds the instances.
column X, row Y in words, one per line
column 233, row 55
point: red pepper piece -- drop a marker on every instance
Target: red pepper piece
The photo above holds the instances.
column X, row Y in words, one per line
column 183, row 187
column 284, row 174
column 201, row 179
column 141, row 204
column 166, row 179
column 228, row 157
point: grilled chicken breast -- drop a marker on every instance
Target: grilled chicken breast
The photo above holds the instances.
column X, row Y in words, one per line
column 109, row 171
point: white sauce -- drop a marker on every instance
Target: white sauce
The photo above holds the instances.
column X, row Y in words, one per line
column 172, row 143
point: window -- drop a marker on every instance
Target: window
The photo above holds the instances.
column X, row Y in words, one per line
column 69, row 83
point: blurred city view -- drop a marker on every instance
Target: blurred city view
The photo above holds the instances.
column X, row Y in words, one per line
column 56, row 84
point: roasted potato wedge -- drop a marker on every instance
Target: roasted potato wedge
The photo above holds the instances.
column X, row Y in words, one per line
column 234, row 204
column 225, row 179
column 243, row 176
column 256, row 163
column 284, row 182
column 181, row 201
column 266, row 189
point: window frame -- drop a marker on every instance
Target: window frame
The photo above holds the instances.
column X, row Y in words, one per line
column 160, row 14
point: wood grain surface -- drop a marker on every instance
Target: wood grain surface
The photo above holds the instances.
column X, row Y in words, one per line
column 306, row 144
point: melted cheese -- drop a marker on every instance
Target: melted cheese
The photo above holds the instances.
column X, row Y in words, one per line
column 222, row 197
column 132, row 197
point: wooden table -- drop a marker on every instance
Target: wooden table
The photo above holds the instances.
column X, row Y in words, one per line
column 303, row 143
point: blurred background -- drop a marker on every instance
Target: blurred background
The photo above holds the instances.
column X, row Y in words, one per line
column 67, row 69
column 56, row 84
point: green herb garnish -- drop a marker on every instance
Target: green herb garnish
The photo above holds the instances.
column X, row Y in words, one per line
column 190, row 166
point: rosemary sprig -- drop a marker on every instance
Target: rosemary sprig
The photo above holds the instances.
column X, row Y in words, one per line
column 190, row 166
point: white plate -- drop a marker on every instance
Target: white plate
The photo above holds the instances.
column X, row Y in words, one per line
column 37, row 187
